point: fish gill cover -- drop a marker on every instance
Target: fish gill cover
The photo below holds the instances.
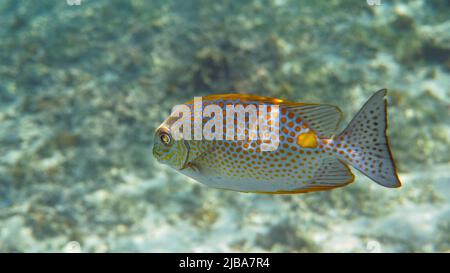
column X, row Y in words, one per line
column 83, row 87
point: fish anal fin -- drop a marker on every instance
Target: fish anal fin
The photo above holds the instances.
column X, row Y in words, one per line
column 305, row 190
column 333, row 173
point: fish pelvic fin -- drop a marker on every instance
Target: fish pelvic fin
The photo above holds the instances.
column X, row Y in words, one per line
column 365, row 143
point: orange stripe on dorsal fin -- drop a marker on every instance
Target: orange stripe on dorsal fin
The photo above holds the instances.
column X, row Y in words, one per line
column 252, row 98
column 247, row 98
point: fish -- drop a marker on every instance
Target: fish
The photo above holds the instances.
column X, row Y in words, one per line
column 310, row 156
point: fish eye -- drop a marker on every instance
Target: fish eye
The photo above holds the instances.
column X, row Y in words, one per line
column 165, row 138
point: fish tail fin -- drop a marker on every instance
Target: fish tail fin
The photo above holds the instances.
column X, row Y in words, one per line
column 364, row 143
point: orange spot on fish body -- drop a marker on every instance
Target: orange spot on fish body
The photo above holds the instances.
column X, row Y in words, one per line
column 307, row 140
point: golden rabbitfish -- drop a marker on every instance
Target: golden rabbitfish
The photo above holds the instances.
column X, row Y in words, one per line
column 310, row 156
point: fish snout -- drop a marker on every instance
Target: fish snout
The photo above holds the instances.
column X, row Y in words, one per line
column 156, row 152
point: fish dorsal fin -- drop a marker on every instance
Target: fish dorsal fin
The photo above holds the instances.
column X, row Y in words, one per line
column 332, row 173
column 241, row 97
column 323, row 119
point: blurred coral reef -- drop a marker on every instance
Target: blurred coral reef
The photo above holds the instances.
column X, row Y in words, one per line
column 82, row 89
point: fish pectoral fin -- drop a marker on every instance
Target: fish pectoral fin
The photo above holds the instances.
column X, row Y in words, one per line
column 192, row 166
column 333, row 173
column 322, row 118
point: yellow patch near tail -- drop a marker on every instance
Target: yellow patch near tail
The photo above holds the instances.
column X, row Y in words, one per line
column 307, row 140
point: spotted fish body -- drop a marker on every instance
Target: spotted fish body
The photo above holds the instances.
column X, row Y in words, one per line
column 310, row 156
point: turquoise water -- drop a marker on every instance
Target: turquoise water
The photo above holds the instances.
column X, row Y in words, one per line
column 83, row 87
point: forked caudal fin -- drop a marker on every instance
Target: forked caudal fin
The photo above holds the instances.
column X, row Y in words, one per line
column 365, row 143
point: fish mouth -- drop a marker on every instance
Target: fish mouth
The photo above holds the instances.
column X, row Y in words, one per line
column 156, row 153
